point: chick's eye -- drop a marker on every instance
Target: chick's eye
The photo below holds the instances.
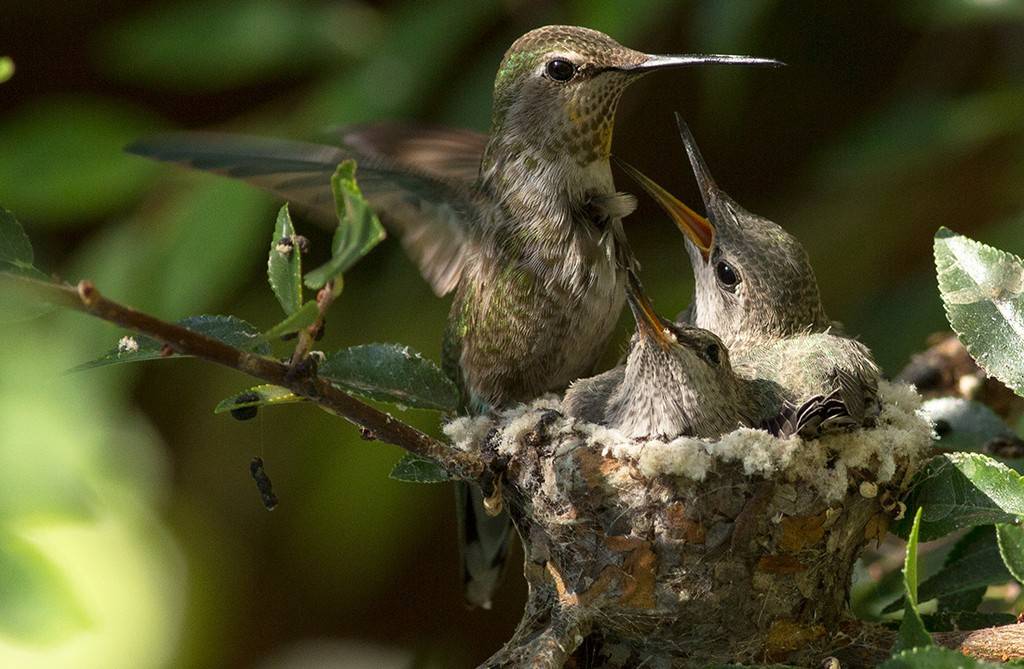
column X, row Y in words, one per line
column 560, row 70
column 727, row 275
column 713, row 353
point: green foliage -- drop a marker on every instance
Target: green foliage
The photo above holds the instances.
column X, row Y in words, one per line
column 37, row 605
column 390, row 373
column 227, row 329
column 913, row 633
column 1011, row 548
column 16, row 257
column 934, row 657
column 303, row 318
column 219, row 45
column 977, row 540
column 358, row 230
column 968, row 425
column 964, row 621
column 962, row 490
column 257, row 396
column 62, row 160
column 16, row 254
column 869, row 597
column 284, row 266
column 972, row 565
column 6, row 68
column 414, row 469
column 983, row 292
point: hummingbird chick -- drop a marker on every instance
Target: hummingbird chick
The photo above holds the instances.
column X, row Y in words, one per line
column 524, row 224
column 756, row 289
column 676, row 381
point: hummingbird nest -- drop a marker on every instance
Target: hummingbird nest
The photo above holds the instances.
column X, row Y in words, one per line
column 691, row 551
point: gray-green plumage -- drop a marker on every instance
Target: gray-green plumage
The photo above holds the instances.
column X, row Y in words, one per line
column 531, row 244
column 676, row 380
column 756, row 289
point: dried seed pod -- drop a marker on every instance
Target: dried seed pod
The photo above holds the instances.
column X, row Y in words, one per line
column 263, row 483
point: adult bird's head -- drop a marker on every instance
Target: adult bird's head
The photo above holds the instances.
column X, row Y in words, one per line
column 753, row 279
column 557, row 89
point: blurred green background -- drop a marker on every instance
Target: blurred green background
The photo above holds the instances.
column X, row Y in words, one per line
column 130, row 532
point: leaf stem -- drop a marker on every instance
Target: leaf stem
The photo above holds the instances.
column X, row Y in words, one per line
column 85, row 297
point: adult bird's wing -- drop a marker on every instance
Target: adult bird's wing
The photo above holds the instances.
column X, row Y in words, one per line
column 447, row 153
column 432, row 216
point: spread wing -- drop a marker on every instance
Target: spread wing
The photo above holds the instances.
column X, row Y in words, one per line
column 447, row 153
column 432, row 215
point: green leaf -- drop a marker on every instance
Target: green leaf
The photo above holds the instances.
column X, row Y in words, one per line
column 257, row 396
column 390, row 373
column 6, row 68
column 959, row 490
column 976, row 566
column 414, row 469
column 62, row 159
column 870, row 598
column 16, row 258
column 358, row 230
column 983, row 292
column 37, row 604
column 912, row 630
column 302, row 318
column 227, row 329
column 973, row 564
column 1011, row 548
column 960, row 602
column 284, row 266
column 934, row 657
column 15, row 248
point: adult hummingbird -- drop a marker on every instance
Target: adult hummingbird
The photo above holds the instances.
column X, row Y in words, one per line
column 531, row 244
column 756, row 289
column 676, row 380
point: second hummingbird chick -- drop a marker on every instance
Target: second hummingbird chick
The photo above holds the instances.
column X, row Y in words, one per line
column 676, row 381
column 755, row 288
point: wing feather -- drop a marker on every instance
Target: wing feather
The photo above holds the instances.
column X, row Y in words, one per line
column 433, row 216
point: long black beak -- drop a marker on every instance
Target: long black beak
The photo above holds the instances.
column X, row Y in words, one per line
column 708, row 188
column 648, row 322
column 658, row 62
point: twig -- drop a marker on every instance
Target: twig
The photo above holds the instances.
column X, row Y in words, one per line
column 86, row 298
column 308, row 335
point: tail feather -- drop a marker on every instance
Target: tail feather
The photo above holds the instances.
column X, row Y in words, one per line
column 484, row 542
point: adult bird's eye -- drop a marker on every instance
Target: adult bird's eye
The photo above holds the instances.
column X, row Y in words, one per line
column 712, row 353
column 727, row 275
column 560, row 70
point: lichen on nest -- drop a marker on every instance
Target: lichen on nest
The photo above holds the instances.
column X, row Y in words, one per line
column 894, row 445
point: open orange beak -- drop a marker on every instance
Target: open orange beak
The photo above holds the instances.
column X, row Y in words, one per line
column 698, row 229
column 648, row 322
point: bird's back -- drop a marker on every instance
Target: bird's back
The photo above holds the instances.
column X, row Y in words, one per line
column 817, row 365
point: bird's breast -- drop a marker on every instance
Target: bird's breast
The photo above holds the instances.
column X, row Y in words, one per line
column 538, row 321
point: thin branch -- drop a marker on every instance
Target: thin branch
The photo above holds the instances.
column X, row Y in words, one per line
column 86, row 298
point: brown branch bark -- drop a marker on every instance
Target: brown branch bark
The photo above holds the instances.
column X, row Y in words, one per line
column 994, row 644
column 86, row 298
column 871, row 644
